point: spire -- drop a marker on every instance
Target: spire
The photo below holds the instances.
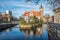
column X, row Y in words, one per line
column 41, row 6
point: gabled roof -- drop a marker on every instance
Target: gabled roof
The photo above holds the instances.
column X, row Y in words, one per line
column 38, row 13
column 27, row 13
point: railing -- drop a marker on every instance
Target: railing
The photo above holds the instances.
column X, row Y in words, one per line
column 54, row 31
column 13, row 22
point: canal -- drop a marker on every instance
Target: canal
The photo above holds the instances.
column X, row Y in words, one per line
column 15, row 33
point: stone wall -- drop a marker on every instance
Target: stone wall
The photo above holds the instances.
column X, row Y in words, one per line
column 57, row 16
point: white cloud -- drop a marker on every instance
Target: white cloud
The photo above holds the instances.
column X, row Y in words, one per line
column 11, row 5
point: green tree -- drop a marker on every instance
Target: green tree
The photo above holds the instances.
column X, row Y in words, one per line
column 21, row 19
column 35, row 20
column 41, row 21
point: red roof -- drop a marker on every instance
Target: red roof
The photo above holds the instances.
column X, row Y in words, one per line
column 37, row 13
column 27, row 13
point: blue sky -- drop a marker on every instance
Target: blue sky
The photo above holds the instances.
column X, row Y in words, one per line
column 18, row 7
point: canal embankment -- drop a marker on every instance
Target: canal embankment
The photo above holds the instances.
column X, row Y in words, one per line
column 54, row 31
column 5, row 26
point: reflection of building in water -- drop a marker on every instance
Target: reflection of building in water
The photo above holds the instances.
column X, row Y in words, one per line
column 31, row 33
column 8, row 30
column 38, row 32
column 26, row 33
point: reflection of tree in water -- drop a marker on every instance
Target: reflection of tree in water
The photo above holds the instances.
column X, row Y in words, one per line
column 34, row 31
column 9, row 29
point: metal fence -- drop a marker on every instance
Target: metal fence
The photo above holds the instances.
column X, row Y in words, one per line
column 54, row 31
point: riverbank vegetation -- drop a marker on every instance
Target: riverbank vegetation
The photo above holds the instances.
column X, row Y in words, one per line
column 35, row 21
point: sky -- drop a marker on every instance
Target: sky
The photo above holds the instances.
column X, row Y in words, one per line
column 18, row 7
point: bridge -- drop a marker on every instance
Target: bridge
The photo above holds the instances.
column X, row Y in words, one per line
column 4, row 26
column 54, row 31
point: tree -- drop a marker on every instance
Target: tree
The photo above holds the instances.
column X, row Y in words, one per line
column 21, row 19
column 40, row 22
column 35, row 1
column 28, row 0
column 35, row 20
column 53, row 3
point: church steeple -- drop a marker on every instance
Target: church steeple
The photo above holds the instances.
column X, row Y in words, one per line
column 41, row 7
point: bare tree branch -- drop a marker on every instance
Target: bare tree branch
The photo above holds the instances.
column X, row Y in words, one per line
column 28, row 0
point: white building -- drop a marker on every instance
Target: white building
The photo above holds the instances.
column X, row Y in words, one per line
column 57, row 15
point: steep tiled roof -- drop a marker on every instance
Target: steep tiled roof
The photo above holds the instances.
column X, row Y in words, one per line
column 27, row 13
column 37, row 13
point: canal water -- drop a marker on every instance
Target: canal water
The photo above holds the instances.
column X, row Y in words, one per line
column 15, row 33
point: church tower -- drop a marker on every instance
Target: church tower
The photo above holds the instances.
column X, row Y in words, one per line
column 42, row 12
column 41, row 8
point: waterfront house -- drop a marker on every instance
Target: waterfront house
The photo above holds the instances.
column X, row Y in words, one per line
column 57, row 15
column 28, row 15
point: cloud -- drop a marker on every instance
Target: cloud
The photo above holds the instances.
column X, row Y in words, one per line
column 18, row 7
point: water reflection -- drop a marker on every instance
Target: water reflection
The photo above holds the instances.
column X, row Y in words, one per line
column 8, row 30
column 15, row 33
column 38, row 32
